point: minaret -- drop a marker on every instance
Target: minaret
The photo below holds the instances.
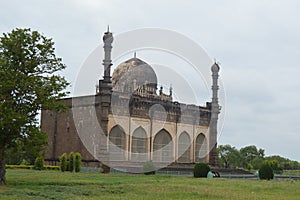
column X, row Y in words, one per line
column 107, row 39
column 103, row 98
column 215, row 110
column 105, row 86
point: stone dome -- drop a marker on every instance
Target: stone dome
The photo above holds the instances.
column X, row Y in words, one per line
column 134, row 73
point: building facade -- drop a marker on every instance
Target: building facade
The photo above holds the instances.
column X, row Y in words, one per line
column 129, row 121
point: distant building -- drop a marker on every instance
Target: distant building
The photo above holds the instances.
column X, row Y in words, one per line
column 139, row 122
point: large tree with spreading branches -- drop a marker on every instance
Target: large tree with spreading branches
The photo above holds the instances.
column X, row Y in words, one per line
column 28, row 82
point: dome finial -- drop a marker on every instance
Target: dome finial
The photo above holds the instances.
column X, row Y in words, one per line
column 134, row 55
column 215, row 67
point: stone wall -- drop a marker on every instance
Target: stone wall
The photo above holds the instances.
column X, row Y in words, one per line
column 78, row 129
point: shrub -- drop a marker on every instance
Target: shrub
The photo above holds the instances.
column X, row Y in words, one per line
column 63, row 162
column 266, row 172
column 25, row 162
column 68, row 165
column 49, row 167
column 201, row 170
column 19, row 166
column 39, row 163
column 77, row 162
column 46, row 167
column 71, row 162
column 249, row 167
column 148, row 168
column 104, row 168
column 274, row 164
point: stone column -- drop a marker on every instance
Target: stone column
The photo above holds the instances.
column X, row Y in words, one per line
column 215, row 110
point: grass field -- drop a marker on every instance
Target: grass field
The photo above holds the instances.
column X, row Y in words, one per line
column 31, row 184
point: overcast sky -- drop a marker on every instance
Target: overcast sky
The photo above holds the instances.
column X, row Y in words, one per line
column 257, row 43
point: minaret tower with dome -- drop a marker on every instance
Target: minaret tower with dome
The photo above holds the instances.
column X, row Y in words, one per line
column 105, row 84
column 103, row 97
column 215, row 110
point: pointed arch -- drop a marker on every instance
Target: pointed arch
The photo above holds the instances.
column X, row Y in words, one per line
column 184, row 148
column 139, row 145
column 163, row 147
column 117, row 144
column 201, row 148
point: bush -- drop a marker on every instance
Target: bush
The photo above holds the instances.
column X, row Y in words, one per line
column 71, row 162
column 39, row 163
column 68, row 165
column 49, row 167
column 25, row 162
column 19, row 166
column 77, row 162
column 148, row 168
column 46, row 167
column 104, row 168
column 249, row 167
column 201, row 170
column 266, row 172
column 63, row 162
column 274, row 164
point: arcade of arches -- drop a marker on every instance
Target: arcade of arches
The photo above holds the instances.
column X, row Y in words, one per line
column 163, row 148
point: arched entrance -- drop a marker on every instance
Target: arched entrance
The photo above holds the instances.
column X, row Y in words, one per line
column 162, row 147
column 184, row 148
column 139, row 145
column 201, row 148
column 117, row 144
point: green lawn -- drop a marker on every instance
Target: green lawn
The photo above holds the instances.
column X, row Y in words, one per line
column 31, row 184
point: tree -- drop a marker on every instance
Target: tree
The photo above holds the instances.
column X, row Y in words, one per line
column 29, row 82
column 274, row 164
column 229, row 157
column 257, row 162
column 249, row 153
column 285, row 163
column 27, row 149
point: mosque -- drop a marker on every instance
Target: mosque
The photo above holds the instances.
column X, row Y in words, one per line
column 130, row 121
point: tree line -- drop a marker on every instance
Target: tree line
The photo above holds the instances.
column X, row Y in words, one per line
column 251, row 157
